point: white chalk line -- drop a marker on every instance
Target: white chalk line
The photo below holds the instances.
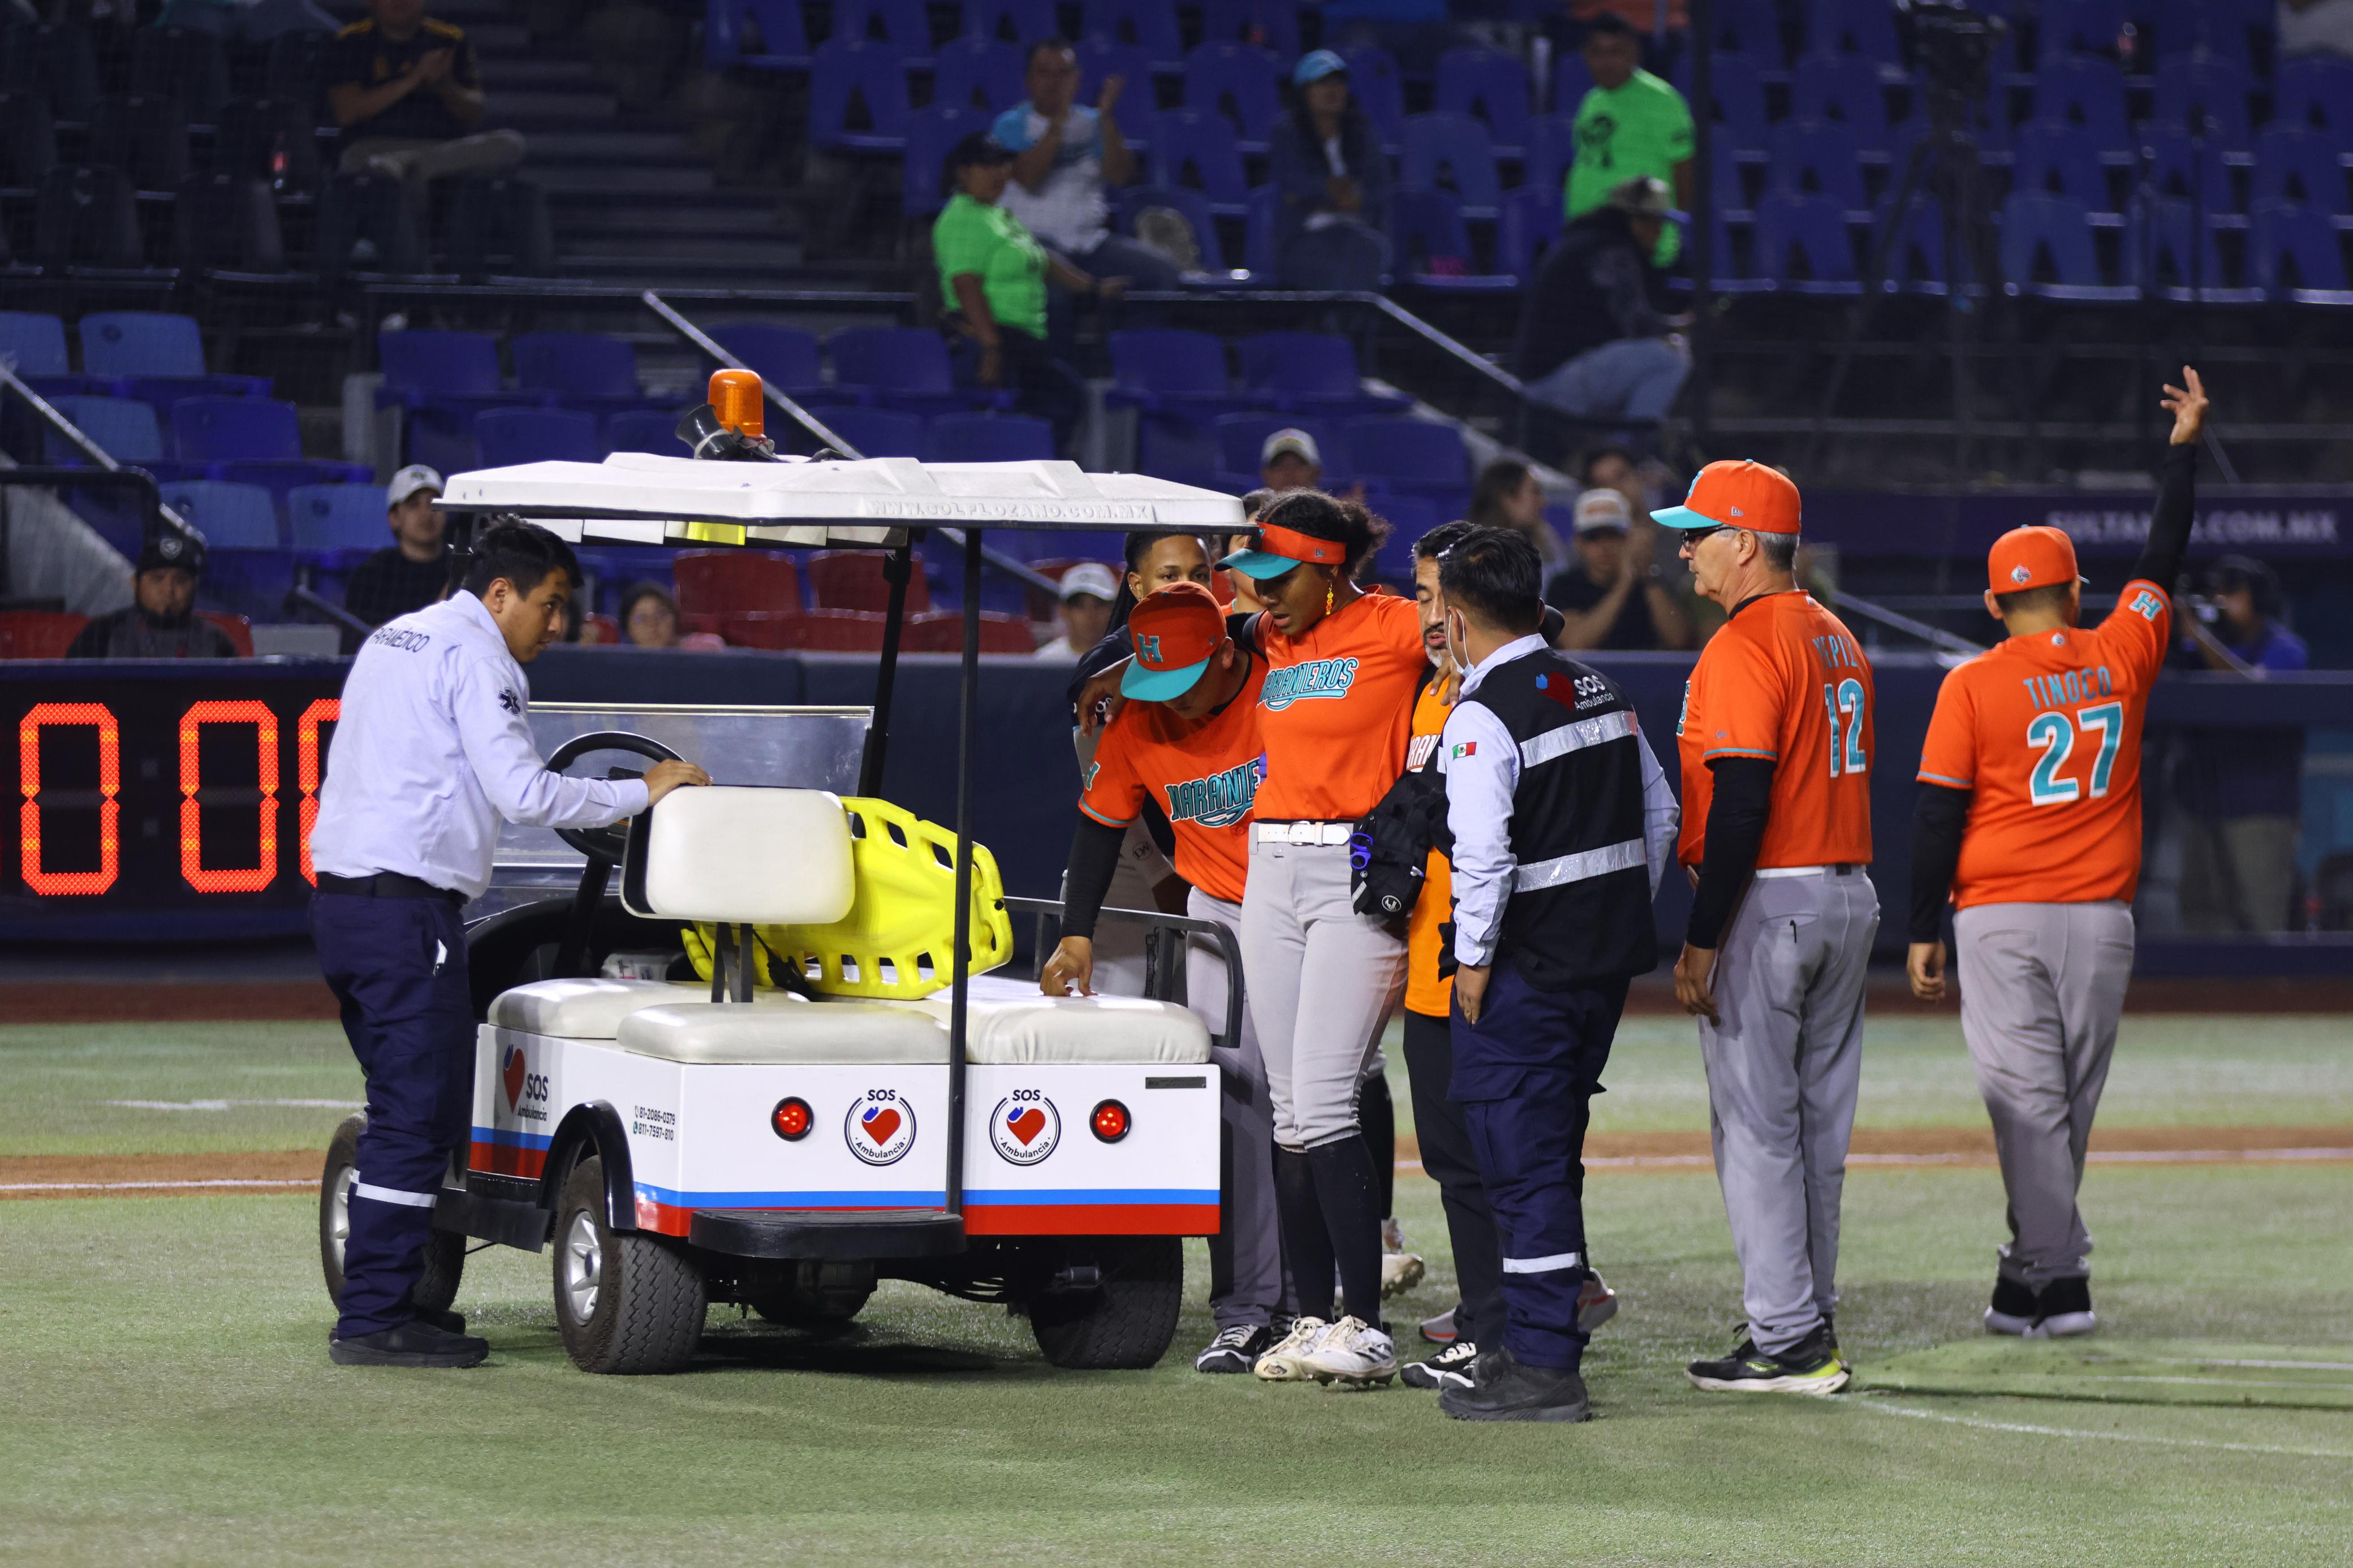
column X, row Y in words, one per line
column 1878, row 1402
column 2118, row 1157
column 226, row 1104
column 143, row 1187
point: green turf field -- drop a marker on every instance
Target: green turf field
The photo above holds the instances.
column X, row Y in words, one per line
column 169, row 1399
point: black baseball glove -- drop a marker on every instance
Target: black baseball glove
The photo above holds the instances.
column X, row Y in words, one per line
column 1389, row 854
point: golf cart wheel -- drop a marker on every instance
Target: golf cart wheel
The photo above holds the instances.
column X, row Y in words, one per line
column 627, row 1302
column 816, row 1295
column 444, row 1256
column 1127, row 1320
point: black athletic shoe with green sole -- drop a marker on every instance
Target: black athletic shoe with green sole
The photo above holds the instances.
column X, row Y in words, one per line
column 1508, row 1390
column 1812, row 1365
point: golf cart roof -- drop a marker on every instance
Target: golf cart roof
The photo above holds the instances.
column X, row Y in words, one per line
column 635, row 498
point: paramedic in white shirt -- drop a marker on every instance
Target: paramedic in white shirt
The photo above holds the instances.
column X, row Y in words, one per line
column 1064, row 154
column 431, row 750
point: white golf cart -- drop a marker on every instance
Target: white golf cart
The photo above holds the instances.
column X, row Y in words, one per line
column 844, row 1099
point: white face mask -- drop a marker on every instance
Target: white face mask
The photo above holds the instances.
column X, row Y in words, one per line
column 1458, row 639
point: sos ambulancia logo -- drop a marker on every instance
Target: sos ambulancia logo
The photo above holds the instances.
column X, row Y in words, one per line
column 880, row 1128
column 1025, row 1127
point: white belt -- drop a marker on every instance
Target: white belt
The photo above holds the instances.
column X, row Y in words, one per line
column 1305, row 832
column 1580, row 867
column 1771, row 873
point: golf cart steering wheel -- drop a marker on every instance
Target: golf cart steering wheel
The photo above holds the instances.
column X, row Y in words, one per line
column 604, row 844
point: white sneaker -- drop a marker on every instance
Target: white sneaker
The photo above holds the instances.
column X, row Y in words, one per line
column 1286, row 1359
column 1353, row 1354
column 1400, row 1270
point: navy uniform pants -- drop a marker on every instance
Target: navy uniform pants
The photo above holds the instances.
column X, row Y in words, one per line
column 399, row 968
column 1525, row 1075
column 1447, row 1158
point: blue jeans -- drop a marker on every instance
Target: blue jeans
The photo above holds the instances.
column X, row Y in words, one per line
column 1634, row 378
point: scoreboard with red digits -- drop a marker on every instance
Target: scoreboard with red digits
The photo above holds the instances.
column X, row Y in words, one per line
column 163, row 801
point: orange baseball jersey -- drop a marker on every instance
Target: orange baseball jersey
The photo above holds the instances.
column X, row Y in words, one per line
column 1204, row 776
column 2044, row 731
column 1426, row 991
column 1784, row 680
column 1337, row 708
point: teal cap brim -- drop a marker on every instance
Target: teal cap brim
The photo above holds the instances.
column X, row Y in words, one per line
column 1158, row 685
column 1683, row 517
column 1259, row 564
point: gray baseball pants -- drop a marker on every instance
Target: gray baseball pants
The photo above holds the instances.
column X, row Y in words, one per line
column 2041, row 988
column 1246, row 1255
column 1322, row 981
column 1783, row 1066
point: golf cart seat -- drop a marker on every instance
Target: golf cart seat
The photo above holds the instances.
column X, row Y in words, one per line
column 593, row 1009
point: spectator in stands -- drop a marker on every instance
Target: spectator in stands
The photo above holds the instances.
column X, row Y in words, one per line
column 1630, row 123
column 2242, row 788
column 246, row 21
column 1594, row 340
column 1331, row 223
column 993, row 277
column 408, row 94
column 648, row 617
column 1290, row 460
column 414, row 570
column 1509, row 495
column 1616, row 597
column 1088, row 590
column 1064, row 154
column 161, row 621
column 2316, row 25
column 1616, row 468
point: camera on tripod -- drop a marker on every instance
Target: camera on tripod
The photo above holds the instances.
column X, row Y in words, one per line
column 1956, row 46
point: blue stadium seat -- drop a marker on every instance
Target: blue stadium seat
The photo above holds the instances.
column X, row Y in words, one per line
column 251, row 440
column 1267, row 24
column 1413, row 457
column 878, row 432
column 1023, row 22
column 512, row 436
column 1243, row 437
column 2083, row 90
column 1791, row 224
column 2315, row 92
column 1180, row 374
column 1730, row 185
column 2037, row 225
column 1408, row 517
column 904, row 368
column 991, row 438
column 1490, row 86
column 577, row 369
column 904, row 24
column 2177, row 258
column 1531, row 217
column 1258, row 232
column 1311, row 372
column 2078, row 27
column 1099, row 59
column 1737, row 87
column 1238, row 81
column 785, row 357
column 1913, row 260
column 2297, row 255
column 1190, row 203
column 229, row 516
column 1570, row 82
column 2201, row 88
column 124, row 427
column 2052, row 155
column 1552, row 149
column 1379, row 91
column 35, row 341
column 1751, row 28
column 1458, row 146
column 1149, row 25
column 327, row 518
column 1844, row 88
column 1825, row 155
column 155, row 356
column 782, row 44
column 876, row 75
column 2174, row 165
column 978, row 73
column 2300, row 167
column 2217, row 27
column 1865, row 27
column 1428, row 225
column 651, row 431
column 1205, row 145
column 924, row 183
column 442, row 379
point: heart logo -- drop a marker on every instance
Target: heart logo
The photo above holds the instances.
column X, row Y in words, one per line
column 1026, row 1124
column 879, row 1122
column 1025, row 1132
column 876, row 1131
column 511, row 1073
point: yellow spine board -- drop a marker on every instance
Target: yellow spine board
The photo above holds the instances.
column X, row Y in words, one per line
column 898, row 941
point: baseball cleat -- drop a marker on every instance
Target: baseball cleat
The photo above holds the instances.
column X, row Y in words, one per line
column 1440, row 1330
column 1285, row 1360
column 1509, row 1391
column 1596, row 1304
column 1400, row 1270
column 2012, row 1312
column 2064, row 1309
column 1235, row 1350
column 1353, row 1354
column 1450, row 1368
column 1810, row 1366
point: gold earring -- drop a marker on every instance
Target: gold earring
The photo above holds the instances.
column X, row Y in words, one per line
column 1328, row 589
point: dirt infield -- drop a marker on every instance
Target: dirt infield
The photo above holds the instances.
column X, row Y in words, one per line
column 164, row 1175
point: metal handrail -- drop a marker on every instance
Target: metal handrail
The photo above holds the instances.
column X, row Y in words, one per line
column 64, row 426
column 1937, row 636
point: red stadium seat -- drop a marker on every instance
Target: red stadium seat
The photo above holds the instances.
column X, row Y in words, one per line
column 941, row 631
column 729, row 582
column 39, row 634
column 238, row 629
column 852, row 580
column 817, row 631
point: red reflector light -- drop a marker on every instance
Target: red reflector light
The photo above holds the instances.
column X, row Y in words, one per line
column 1110, row 1121
column 792, row 1119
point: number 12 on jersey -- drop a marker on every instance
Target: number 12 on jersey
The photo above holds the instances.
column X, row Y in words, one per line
column 1846, row 698
column 2055, row 734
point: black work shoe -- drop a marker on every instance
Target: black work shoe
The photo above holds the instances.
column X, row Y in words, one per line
column 1236, row 1349
column 2013, row 1309
column 417, row 1343
column 2064, row 1309
column 1812, row 1365
column 1450, row 1368
column 1508, row 1390
column 447, row 1321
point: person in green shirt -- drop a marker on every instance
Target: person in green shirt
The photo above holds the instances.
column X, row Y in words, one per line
column 1630, row 124
column 993, row 277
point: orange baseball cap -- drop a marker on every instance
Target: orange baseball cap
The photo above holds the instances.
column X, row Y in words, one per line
column 2032, row 557
column 1176, row 631
column 1743, row 494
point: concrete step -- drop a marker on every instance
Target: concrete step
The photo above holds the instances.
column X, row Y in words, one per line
column 586, row 179
column 663, row 271
column 626, row 220
column 539, row 73
column 588, row 104
column 725, row 250
column 596, row 198
column 613, row 147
